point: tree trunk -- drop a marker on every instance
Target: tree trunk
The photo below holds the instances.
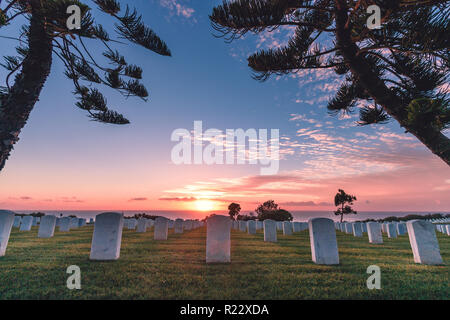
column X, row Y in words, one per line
column 16, row 105
column 437, row 142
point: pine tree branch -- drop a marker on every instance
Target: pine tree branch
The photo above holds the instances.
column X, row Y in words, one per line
column 438, row 143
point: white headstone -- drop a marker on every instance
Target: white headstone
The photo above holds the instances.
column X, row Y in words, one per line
column 251, row 227
column 242, row 225
column 107, row 237
column 27, row 222
column 424, row 244
column 348, row 228
column 161, row 228
column 64, row 224
column 322, row 237
column 401, row 228
column 374, row 232
column 391, row 230
column 447, row 229
column 142, row 225
column 6, row 224
column 279, row 225
column 81, row 222
column 270, row 230
column 304, row 226
column 132, row 224
column 47, row 227
column 287, row 228
column 17, row 221
column 178, row 226
column 259, row 225
column 218, row 239
column 35, row 222
column 357, row 229
column 73, row 223
column 187, row 225
column 297, row 226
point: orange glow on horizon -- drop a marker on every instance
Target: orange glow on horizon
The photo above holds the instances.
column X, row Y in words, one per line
column 204, row 205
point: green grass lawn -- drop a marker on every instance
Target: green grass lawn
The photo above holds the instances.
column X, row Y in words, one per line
column 175, row 269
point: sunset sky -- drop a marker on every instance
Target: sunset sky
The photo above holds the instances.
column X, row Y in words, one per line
column 65, row 161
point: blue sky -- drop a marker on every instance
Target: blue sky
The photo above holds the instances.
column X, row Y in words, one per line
column 63, row 160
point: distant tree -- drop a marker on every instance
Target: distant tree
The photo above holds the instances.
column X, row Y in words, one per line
column 277, row 215
column 267, row 206
column 245, row 217
column 398, row 71
column 143, row 215
column 392, row 218
column 37, row 214
column 414, row 217
column 233, row 210
column 344, row 200
column 410, row 217
column 45, row 36
column 270, row 210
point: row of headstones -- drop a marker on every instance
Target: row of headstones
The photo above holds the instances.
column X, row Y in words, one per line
column 359, row 228
column 161, row 226
column 324, row 249
column 105, row 229
column 392, row 229
column 422, row 236
column 107, row 238
column 443, row 228
column 443, row 220
column 270, row 227
column 48, row 224
column 26, row 222
column 421, row 233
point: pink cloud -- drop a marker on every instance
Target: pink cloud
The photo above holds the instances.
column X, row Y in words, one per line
column 138, row 199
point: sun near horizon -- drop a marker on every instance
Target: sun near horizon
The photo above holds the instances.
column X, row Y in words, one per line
column 204, row 205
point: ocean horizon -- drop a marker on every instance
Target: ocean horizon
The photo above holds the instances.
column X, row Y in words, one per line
column 186, row 214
